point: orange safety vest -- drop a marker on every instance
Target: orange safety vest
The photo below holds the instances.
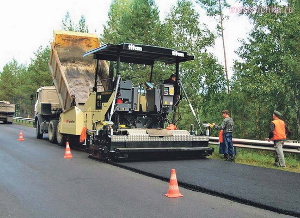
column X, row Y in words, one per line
column 279, row 131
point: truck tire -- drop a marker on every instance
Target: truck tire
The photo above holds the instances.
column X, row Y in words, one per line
column 39, row 135
column 52, row 131
column 60, row 138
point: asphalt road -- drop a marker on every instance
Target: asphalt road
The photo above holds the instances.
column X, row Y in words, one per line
column 37, row 182
column 271, row 189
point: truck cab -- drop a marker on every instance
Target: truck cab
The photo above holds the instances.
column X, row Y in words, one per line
column 46, row 109
column 7, row 111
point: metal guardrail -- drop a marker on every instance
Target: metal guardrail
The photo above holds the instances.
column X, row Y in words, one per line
column 289, row 147
column 23, row 120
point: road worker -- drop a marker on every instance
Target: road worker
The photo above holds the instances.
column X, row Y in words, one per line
column 227, row 127
column 278, row 131
column 171, row 80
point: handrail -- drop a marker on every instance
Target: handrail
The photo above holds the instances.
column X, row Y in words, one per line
column 289, row 147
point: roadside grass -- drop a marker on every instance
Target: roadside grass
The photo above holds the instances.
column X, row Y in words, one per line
column 261, row 158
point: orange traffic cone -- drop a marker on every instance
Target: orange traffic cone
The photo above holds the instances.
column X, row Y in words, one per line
column 21, row 138
column 68, row 154
column 173, row 191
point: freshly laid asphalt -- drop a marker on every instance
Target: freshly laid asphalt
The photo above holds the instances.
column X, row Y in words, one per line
column 270, row 189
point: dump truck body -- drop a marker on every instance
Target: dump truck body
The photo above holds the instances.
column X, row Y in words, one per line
column 110, row 117
column 71, row 73
column 7, row 111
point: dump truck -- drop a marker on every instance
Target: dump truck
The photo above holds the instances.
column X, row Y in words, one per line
column 72, row 76
column 47, row 110
column 109, row 116
column 7, row 112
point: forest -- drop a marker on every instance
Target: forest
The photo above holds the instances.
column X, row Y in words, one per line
column 266, row 77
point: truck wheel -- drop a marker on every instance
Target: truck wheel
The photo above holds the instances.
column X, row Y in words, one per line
column 39, row 135
column 52, row 130
column 60, row 138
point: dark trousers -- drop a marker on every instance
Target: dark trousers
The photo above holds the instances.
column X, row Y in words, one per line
column 228, row 144
column 221, row 148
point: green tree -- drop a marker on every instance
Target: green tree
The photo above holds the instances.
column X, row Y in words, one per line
column 215, row 8
column 9, row 79
column 268, row 76
column 111, row 33
column 38, row 70
column 18, row 82
column 141, row 25
column 11, row 82
column 134, row 21
column 68, row 24
column 37, row 75
column 82, row 26
column 202, row 78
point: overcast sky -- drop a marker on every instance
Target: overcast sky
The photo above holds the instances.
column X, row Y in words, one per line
column 28, row 24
